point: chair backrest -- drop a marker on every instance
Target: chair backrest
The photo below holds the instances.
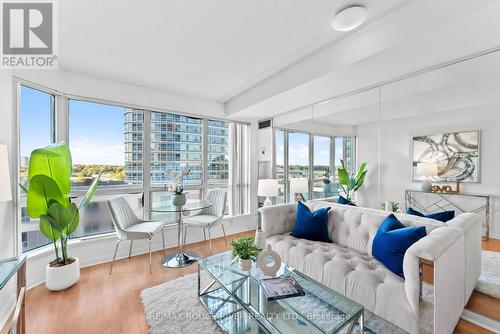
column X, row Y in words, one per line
column 122, row 214
column 218, row 197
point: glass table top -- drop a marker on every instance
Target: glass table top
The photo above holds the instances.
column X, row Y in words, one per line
column 8, row 267
column 191, row 205
column 321, row 310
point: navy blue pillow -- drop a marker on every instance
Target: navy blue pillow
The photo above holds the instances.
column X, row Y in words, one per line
column 443, row 216
column 392, row 240
column 311, row 225
column 343, row 200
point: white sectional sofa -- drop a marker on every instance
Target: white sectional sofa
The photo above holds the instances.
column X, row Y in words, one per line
column 347, row 266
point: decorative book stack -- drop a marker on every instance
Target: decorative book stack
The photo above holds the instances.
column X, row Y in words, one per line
column 281, row 288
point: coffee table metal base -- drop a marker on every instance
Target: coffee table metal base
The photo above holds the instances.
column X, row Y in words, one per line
column 179, row 260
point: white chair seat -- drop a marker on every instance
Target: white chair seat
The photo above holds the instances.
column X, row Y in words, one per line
column 143, row 230
column 201, row 220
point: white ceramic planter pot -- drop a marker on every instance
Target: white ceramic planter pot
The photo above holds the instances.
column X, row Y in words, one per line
column 245, row 265
column 60, row 278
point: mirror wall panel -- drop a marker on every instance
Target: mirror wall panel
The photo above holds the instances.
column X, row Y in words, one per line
column 335, row 121
column 447, row 119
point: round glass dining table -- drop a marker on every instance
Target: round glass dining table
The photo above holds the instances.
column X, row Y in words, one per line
column 183, row 257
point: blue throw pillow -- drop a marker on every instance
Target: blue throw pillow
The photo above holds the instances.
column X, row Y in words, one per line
column 443, row 216
column 392, row 240
column 311, row 225
column 343, row 200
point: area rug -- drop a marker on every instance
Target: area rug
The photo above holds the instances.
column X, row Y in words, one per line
column 489, row 281
column 174, row 307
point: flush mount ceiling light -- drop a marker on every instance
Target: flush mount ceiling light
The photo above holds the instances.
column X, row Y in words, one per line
column 349, row 18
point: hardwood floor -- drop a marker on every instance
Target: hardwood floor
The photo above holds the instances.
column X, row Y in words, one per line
column 103, row 303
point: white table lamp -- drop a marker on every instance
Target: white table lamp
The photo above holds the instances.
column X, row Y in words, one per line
column 268, row 188
column 299, row 186
column 427, row 169
column 5, row 192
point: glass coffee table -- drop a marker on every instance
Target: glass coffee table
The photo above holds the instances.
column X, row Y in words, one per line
column 236, row 301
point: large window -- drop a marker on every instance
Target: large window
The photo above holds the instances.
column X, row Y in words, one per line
column 218, row 154
column 124, row 145
column 176, row 143
column 294, row 157
column 103, row 138
column 36, row 129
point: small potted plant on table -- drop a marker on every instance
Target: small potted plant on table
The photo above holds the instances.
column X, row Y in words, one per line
column 246, row 251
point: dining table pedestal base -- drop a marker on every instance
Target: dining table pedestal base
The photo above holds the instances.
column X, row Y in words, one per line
column 179, row 260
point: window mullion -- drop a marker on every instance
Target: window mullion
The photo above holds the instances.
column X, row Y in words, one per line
column 285, row 166
column 146, row 159
column 204, row 159
column 60, row 120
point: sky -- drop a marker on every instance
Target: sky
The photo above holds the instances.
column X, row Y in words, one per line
column 299, row 149
column 34, row 120
column 96, row 131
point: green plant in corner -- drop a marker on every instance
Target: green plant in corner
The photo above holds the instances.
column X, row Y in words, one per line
column 350, row 183
column 49, row 200
column 245, row 248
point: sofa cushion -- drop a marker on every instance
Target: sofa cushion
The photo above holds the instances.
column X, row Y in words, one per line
column 392, row 240
column 311, row 225
column 442, row 216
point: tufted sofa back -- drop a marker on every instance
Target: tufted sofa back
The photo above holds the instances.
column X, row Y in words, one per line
column 354, row 227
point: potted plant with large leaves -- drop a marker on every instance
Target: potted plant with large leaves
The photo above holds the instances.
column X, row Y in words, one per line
column 350, row 183
column 49, row 201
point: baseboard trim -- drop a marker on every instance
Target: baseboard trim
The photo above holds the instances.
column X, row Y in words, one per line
column 481, row 321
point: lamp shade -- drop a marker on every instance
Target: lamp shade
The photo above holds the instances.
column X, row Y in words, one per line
column 5, row 193
column 299, row 185
column 268, row 187
column 427, row 169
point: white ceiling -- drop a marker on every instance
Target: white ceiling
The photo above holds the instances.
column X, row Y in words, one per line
column 213, row 49
column 419, row 35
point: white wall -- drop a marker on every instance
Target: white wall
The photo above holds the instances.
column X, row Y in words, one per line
column 395, row 154
column 7, row 232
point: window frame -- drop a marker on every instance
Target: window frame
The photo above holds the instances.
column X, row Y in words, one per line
column 60, row 131
column 17, row 85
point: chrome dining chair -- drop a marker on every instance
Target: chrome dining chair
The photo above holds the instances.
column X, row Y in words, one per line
column 209, row 217
column 129, row 227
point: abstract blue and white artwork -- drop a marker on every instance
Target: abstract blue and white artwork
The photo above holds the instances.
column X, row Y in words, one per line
column 456, row 154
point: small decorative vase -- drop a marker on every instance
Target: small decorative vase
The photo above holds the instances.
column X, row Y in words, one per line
column 270, row 268
column 327, row 187
column 260, row 239
column 61, row 278
column 245, row 264
column 179, row 200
